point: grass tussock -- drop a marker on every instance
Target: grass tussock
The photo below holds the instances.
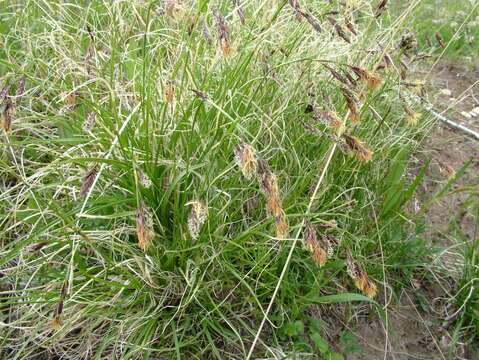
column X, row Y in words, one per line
column 161, row 160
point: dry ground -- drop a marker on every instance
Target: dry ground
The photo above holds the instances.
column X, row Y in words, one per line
column 418, row 319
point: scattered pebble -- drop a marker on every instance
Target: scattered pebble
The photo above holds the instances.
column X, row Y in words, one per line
column 446, row 92
column 466, row 114
column 475, row 111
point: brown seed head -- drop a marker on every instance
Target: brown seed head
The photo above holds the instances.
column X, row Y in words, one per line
column 331, row 119
column 174, row 9
column 412, row 117
column 200, row 94
column 246, row 158
column 367, row 78
column 296, row 8
column 87, row 181
column 357, row 147
column 20, row 91
column 388, row 61
column 311, row 20
column 226, row 48
column 198, row 215
column 269, row 184
column 281, row 227
column 56, row 322
column 221, row 26
column 447, row 169
column 337, row 76
column 170, row 92
column 144, row 226
column 191, row 24
column 440, row 40
column 364, row 283
column 350, row 26
column 239, row 11
column 381, row 8
column 4, row 92
column 352, row 104
column 206, row 33
column 341, row 33
column 319, row 255
column 6, row 114
column 352, row 268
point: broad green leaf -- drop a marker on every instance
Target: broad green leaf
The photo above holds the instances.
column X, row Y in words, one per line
column 320, row 343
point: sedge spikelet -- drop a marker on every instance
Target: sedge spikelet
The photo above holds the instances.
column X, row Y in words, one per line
column 367, row 78
column 197, row 217
column 381, row 8
column 337, row 75
column 246, row 159
column 144, row 179
column 281, row 227
column 274, row 204
column 6, row 115
column 205, row 32
column 352, row 105
column 239, row 11
column 56, row 321
column 360, row 278
column 4, row 92
column 331, row 119
column 20, row 91
column 87, row 181
column 412, row 117
column 389, row 62
column 144, row 226
column 170, row 93
column 226, row 48
column 328, row 243
column 273, row 199
column 350, row 26
column 357, row 148
column 223, row 33
column 447, row 170
column 364, row 283
column 319, row 255
column 174, row 9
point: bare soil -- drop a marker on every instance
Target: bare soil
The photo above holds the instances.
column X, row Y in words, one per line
column 419, row 326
